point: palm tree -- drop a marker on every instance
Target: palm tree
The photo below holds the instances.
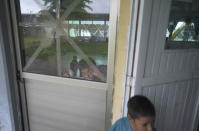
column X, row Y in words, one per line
column 81, row 8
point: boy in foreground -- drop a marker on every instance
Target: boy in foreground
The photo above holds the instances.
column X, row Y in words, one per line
column 141, row 116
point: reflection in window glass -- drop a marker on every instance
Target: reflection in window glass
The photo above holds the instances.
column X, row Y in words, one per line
column 99, row 22
column 66, row 43
column 183, row 26
column 107, row 22
column 86, row 22
column 85, row 33
column 74, row 22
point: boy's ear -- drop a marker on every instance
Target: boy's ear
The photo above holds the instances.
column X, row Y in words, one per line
column 129, row 117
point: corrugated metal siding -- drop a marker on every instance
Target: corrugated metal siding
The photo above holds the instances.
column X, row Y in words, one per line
column 169, row 76
column 171, row 62
column 158, row 60
column 50, row 110
column 158, row 23
column 178, row 62
column 175, row 104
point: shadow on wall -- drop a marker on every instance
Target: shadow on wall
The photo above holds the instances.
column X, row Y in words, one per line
column 5, row 121
column 0, row 126
column 197, row 129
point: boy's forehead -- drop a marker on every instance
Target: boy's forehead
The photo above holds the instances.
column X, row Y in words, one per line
column 146, row 118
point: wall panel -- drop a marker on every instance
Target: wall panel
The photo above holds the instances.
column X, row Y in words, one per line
column 175, row 104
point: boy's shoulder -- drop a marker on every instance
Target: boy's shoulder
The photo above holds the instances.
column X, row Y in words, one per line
column 121, row 125
column 123, row 120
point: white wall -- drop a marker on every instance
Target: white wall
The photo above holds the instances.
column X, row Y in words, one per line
column 5, row 114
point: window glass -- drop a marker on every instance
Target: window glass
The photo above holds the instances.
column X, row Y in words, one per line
column 183, row 26
column 65, row 38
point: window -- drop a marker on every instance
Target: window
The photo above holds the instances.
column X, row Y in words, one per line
column 183, row 26
column 65, row 38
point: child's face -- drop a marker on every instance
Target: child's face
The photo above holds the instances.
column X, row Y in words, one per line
column 85, row 73
column 142, row 123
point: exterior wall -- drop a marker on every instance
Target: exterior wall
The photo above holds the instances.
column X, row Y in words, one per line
column 5, row 108
column 120, row 59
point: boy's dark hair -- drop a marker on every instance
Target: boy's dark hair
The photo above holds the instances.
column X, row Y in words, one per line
column 140, row 106
column 83, row 64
